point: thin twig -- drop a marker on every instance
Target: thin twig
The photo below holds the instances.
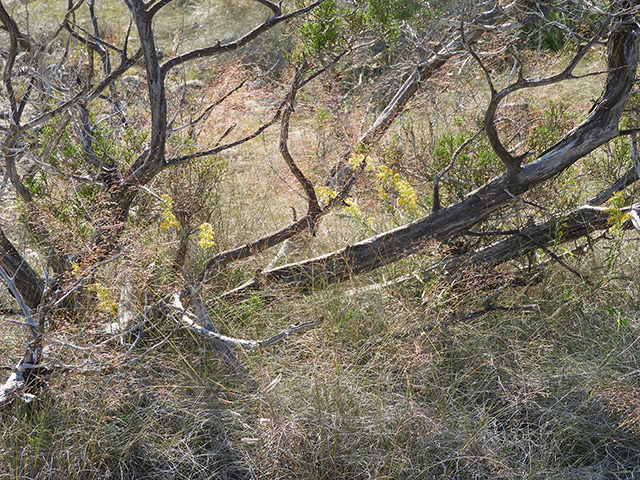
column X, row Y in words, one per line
column 462, row 317
column 188, row 320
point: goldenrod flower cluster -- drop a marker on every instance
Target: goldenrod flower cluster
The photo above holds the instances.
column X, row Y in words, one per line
column 389, row 183
column 617, row 216
column 325, row 193
column 407, row 198
column 356, row 159
column 351, row 208
column 105, row 302
column 206, row 239
column 167, row 218
column 76, row 269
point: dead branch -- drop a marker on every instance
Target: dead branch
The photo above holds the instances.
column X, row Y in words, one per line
column 218, row 48
column 463, row 317
column 226, row 146
column 600, row 126
column 557, row 231
column 28, row 285
column 85, row 96
column 192, row 325
column 23, row 374
column 313, row 206
column 471, row 33
column 280, row 236
column 11, row 284
column 513, row 163
column 204, row 320
column 378, row 128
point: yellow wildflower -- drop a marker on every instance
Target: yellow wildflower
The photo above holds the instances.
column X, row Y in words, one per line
column 206, row 239
column 76, row 269
column 325, row 193
column 407, row 197
column 105, row 302
column 351, row 208
column 167, row 218
column 357, row 158
column 617, row 217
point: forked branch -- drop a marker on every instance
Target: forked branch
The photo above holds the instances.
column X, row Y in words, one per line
column 513, row 163
column 312, row 200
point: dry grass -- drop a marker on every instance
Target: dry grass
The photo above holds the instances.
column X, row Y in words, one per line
column 373, row 392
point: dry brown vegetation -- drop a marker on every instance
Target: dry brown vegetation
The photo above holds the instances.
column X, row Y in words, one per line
column 525, row 369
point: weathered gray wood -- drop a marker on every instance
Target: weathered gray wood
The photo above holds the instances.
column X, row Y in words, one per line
column 26, row 280
column 600, row 126
column 556, row 231
column 207, row 330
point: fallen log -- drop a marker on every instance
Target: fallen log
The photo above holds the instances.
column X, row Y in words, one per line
column 600, row 126
column 556, row 231
column 496, row 17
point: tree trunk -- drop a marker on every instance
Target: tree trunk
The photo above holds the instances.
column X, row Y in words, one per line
column 27, row 282
column 600, row 126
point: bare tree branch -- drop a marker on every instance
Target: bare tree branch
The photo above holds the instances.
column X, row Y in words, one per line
column 512, row 163
column 277, row 11
column 600, row 126
column 379, row 127
column 188, row 321
column 226, row 146
column 556, row 231
column 23, row 278
column 246, row 38
column 312, row 200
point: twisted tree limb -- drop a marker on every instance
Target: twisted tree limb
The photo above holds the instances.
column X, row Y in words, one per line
column 600, row 126
column 494, row 17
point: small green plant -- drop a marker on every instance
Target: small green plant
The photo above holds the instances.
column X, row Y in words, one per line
column 323, row 32
column 555, row 122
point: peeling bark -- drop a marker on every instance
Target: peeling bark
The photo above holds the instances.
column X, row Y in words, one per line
column 26, row 280
column 600, row 126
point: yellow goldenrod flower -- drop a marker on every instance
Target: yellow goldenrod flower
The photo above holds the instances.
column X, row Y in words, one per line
column 206, row 239
column 356, row 159
column 406, row 195
column 617, row 216
column 167, row 218
column 75, row 269
column 105, row 302
column 325, row 193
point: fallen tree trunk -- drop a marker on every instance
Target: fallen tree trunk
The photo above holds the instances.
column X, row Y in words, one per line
column 26, row 280
column 559, row 230
column 577, row 224
column 494, row 18
column 556, row 231
column 600, row 126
